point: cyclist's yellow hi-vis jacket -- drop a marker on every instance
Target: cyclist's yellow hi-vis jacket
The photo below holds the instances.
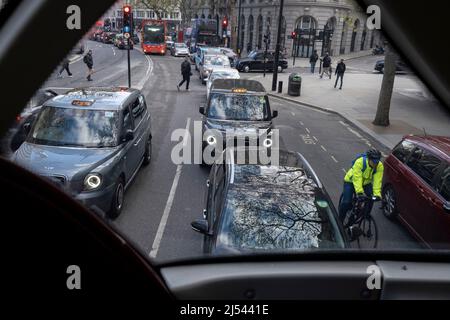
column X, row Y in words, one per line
column 361, row 178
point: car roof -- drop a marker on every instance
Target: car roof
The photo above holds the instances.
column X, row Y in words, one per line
column 259, row 189
column 439, row 143
column 230, row 84
column 110, row 98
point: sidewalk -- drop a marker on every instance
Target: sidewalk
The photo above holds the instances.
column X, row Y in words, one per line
column 413, row 109
column 304, row 62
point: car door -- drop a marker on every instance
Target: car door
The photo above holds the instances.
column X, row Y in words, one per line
column 138, row 111
column 441, row 209
column 129, row 154
column 397, row 176
column 258, row 63
column 420, row 209
column 216, row 204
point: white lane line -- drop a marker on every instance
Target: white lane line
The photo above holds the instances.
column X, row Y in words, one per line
column 293, row 114
column 165, row 216
column 323, row 148
column 317, row 140
column 344, row 170
column 58, row 88
column 301, row 123
column 307, row 130
column 334, row 159
column 114, row 51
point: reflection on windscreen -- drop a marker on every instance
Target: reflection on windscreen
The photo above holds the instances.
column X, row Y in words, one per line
column 75, row 127
column 217, row 61
column 277, row 208
column 238, row 107
column 154, row 34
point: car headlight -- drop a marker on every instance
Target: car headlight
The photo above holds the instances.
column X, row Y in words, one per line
column 211, row 140
column 92, row 181
column 267, row 143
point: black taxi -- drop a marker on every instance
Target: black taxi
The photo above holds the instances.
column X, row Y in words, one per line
column 274, row 206
column 237, row 113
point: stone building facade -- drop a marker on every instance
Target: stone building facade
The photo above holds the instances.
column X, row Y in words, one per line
column 334, row 26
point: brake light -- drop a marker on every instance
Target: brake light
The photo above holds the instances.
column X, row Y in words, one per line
column 18, row 118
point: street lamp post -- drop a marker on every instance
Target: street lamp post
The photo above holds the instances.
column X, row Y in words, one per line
column 238, row 44
column 277, row 49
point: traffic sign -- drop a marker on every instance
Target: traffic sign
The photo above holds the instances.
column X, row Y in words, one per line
column 126, row 35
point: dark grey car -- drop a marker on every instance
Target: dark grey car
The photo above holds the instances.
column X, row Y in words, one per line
column 91, row 142
column 237, row 110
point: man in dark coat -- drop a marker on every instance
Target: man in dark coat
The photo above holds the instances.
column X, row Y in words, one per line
column 313, row 60
column 326, row 65
column 186, row 73
column 64, row 66
column 340, row 70
column 89, row 63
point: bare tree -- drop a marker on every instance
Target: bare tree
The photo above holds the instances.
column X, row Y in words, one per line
column 387, row 87
column 161, row 6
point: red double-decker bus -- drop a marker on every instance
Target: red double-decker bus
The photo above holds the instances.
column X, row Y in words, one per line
column 154, row 36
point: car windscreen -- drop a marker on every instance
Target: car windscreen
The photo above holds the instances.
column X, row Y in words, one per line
column 217, row 61
column 180, row 45
column 277, row 208
column 75, row 127
column 243, row 107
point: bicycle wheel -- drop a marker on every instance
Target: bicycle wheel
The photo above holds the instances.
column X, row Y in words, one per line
column 369, row 237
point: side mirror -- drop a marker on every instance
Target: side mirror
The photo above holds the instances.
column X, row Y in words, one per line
column 200, row 226
column 27, row 127
column 201, row 110
column 447, row 207
column 274, row 114
column 129, row 135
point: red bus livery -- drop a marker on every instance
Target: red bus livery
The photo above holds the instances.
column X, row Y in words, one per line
column 154, row 36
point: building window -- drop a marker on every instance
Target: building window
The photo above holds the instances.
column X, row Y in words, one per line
column 260, row 32
column 250, row 34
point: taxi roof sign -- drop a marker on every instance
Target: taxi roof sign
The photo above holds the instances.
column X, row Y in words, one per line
column 82, row 103
column 239, row 90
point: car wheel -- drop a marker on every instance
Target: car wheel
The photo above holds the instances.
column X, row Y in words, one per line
column 118, row 199
column 390, row 203
column 148, row 152
column 382, row 70
column 246, row 69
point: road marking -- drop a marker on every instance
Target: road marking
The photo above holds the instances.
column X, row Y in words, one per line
column 301, row 123
column 323, row 148
column 58, row 88
column 307, row 130
column 345, row 171
column 317, row 140
column 114, row 51
column 173, row 190
column 293, row 114
column 334, row 159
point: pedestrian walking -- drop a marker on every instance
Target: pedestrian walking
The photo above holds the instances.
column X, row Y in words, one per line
column 88, row 60
column 326, row 65
column 64, row 66
column 313, row 60
column 186, row 73
column 340, row 70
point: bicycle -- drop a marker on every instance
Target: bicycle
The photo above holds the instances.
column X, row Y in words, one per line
column 359, row 224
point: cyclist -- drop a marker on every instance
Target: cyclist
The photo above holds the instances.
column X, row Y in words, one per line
column 365, row 179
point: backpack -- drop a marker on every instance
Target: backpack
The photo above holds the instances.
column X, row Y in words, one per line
column 85, row 59
column 364, row 156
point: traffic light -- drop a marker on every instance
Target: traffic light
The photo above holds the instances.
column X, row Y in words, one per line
column 127, row 19
column 225, row 23
column 294, row 35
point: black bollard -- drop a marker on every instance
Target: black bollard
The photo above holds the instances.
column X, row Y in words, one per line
column 280, row 86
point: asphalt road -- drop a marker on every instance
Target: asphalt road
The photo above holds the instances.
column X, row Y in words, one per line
column 164, row 197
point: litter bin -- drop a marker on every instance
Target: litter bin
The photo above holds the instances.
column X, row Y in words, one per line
column 295, row 84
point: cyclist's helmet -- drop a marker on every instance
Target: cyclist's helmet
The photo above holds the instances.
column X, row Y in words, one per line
column 374, row 155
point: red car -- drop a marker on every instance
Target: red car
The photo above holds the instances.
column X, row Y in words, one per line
column 416, row 188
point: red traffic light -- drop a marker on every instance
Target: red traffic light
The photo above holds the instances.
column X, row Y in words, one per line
column 127, row 9
column 225, row 22
column 294, row 34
